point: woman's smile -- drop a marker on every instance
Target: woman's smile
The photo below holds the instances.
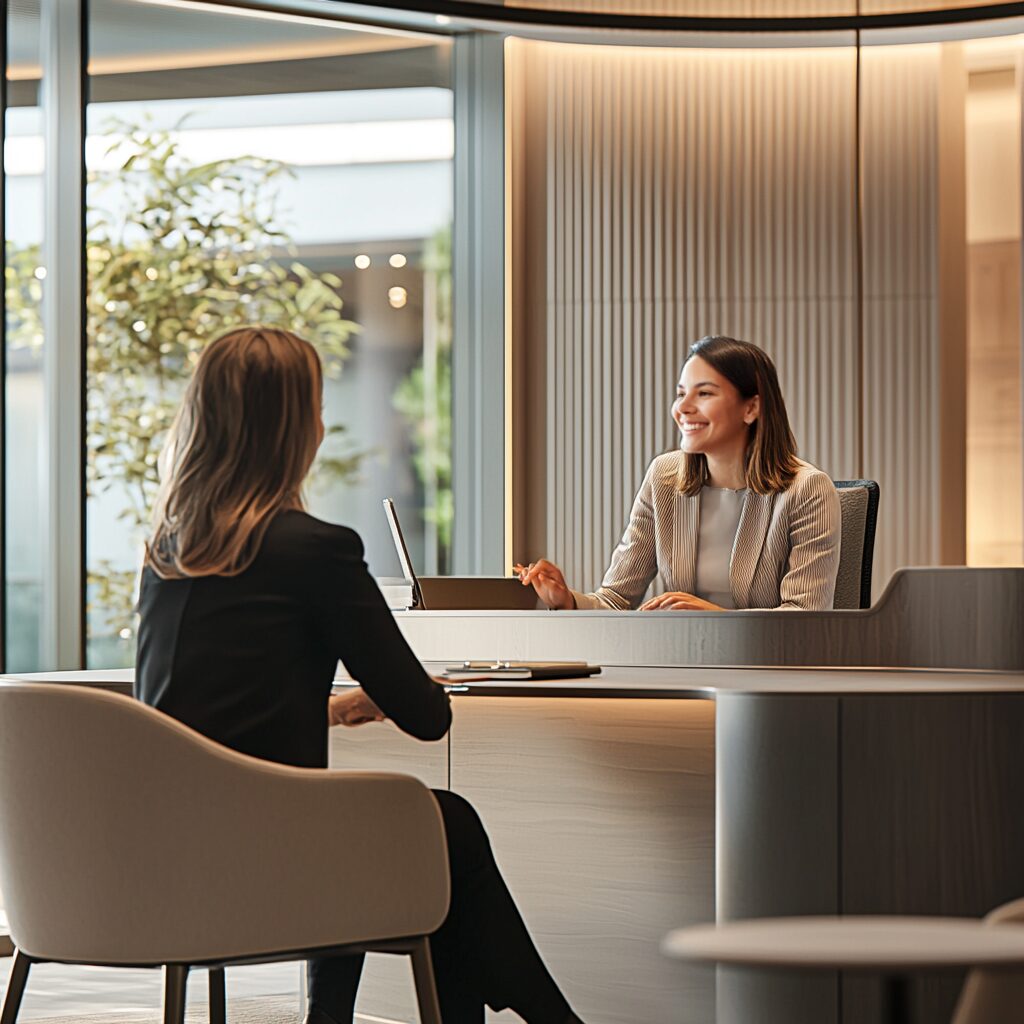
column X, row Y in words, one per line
column 709, row 411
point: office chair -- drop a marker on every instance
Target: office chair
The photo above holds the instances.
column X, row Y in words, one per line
column 858, row 500
column 128, row 839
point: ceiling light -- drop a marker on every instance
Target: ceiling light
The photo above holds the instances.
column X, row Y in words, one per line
column 362, row 261
column 397, row 297
column 397, row 261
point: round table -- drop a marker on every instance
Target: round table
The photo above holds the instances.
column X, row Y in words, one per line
column 893, row 947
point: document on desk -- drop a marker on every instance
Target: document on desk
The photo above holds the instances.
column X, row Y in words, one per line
column 469, row 670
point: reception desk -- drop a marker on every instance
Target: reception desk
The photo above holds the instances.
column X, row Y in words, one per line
column 661, row 793
column 925, row 618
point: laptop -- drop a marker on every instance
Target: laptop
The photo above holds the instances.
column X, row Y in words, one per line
column 403, row 553
column 445, row 593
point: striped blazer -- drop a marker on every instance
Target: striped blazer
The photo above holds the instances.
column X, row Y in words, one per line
column 785, row 555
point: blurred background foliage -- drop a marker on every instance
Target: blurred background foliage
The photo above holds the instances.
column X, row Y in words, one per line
column 177, row 252
column 424, row 397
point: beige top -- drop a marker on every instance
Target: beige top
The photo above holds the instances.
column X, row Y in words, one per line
column 785, row 556
column 720, row 511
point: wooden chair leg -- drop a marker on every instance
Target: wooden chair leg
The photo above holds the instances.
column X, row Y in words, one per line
column 426, row 988
column 15, row 987
column 218, row 1001
column 175, row 979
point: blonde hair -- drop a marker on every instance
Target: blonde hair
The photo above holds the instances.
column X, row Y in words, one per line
column 237, row 453
column 771, row 447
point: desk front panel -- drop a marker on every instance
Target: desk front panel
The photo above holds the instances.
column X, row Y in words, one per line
column 386, row 990
column 601, row 813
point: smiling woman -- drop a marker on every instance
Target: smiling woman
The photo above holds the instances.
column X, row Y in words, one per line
column 733, row 519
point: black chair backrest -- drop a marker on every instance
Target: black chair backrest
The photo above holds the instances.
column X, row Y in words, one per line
column 871, row 518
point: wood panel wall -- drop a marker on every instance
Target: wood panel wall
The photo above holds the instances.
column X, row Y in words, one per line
column 661, row 195
column 901, row 322
column 995, row 480
column 698, row 8
column 995, row 440
column 745, row 8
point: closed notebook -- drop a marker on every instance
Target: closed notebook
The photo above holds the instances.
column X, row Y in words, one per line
column 520, row 670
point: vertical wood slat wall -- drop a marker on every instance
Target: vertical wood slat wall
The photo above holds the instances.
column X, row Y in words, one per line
column 660, row 195
column 901, row 345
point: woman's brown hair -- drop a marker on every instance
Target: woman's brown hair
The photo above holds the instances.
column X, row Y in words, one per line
column 771, row 447
column 237, row 453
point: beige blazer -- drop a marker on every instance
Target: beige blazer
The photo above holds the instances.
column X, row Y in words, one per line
column 785, row 556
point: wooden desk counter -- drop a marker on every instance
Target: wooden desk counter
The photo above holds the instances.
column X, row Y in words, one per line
column 712, row 683
column 926, row 618
column 680, row 682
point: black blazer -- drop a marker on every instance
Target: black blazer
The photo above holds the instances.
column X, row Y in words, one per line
column 249, row 660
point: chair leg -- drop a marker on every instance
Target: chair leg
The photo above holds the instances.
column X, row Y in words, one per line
column 15, row 987
column 218, row 1002
column 426, row 988
column 175, row 979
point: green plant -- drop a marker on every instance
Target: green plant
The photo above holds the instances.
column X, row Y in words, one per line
column 176, row 253
column 424, row 397
column 23, row 288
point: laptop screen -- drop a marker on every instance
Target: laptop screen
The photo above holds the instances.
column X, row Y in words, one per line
column 403, row 552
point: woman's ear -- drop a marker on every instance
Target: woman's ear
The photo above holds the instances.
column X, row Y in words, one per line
column 753, row 410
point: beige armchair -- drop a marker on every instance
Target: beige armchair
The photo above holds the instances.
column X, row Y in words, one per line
column 994, row 997
column 128, row 839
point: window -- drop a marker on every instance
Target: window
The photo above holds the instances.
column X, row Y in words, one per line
column 244, row 168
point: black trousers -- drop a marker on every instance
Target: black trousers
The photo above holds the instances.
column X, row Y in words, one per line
column 482, row 952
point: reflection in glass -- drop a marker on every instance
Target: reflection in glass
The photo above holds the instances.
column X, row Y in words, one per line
column 24, row 283
column 264, row 158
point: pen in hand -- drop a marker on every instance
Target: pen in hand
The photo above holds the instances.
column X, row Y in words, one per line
column 548, row 581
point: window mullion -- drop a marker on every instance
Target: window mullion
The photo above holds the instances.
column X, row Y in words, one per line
column 63, row 248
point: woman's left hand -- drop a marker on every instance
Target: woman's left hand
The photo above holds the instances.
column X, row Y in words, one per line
column 676, row 600
column 353, row 707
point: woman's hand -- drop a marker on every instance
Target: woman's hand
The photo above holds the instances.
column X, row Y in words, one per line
column 353, row 707
column 676, row 600
column 548, row 581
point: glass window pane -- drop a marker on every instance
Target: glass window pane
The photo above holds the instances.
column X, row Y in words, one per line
column 995, row 430
column 248, row 169
column 23, row 166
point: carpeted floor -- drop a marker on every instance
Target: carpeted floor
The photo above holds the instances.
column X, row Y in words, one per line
column 266, row 1010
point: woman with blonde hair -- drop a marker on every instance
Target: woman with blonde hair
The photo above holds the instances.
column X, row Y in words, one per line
column 247, row 604
column 732, row 519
